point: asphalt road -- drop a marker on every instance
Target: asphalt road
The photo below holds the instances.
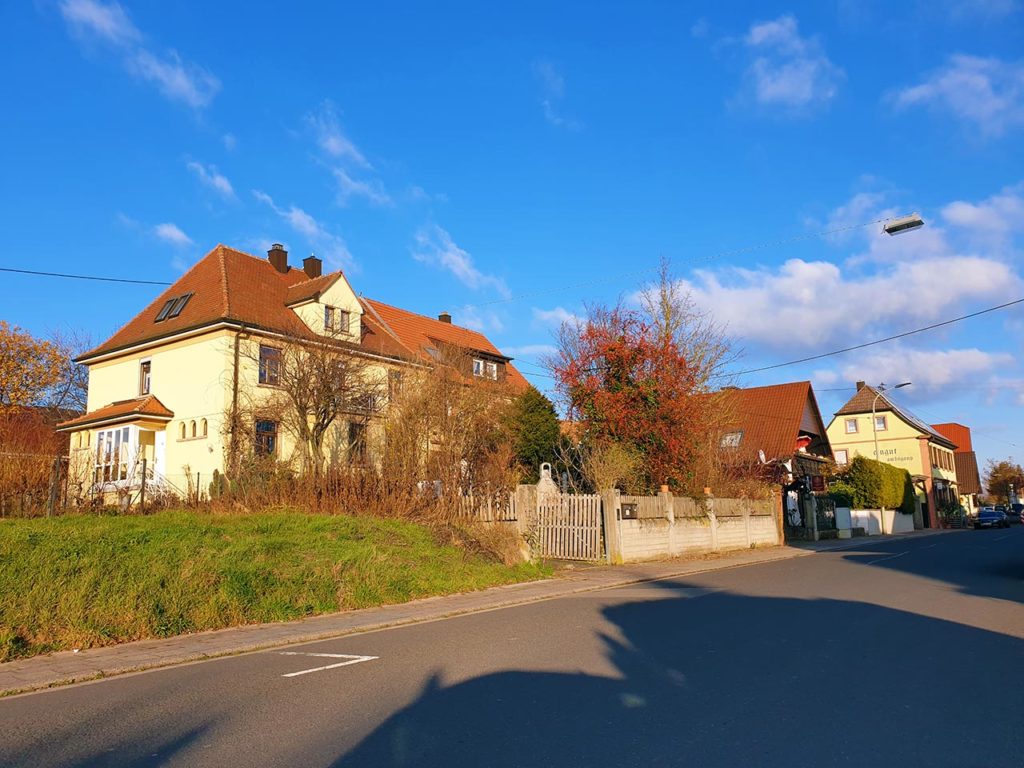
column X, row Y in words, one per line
column 907, row 652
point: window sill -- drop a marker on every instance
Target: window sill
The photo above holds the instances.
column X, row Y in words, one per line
column 191, row 439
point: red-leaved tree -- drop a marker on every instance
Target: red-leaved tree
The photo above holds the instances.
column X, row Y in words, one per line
column 629, row 383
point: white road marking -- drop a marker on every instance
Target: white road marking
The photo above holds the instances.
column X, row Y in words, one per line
column 890, row 557
column 350, row 659
column 1000, row 538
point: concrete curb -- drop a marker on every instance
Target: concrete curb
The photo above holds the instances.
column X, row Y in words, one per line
column 68, row 667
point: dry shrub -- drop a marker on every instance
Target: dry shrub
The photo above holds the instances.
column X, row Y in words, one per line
column 29, row 448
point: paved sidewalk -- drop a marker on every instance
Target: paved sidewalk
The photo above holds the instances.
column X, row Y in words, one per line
column 69, row 667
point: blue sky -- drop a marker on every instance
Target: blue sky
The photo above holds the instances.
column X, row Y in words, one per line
column 510, row 163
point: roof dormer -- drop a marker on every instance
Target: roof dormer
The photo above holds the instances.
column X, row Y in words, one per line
column 327, row 305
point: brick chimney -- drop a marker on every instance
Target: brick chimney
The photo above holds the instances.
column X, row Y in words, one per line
column 278, row 256
column 312, row 266
column 444, row 317
column 860, row 385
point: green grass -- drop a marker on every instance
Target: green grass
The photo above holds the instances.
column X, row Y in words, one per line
column 80, row 582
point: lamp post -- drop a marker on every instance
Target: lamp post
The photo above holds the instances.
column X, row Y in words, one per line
column 879, row 391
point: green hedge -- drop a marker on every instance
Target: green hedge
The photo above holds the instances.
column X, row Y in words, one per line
column 870, row 484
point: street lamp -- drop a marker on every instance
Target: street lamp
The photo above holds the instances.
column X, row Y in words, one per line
column 903, row 224
column 879, row 390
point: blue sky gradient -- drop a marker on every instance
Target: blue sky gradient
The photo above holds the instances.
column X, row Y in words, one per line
column 511, row 163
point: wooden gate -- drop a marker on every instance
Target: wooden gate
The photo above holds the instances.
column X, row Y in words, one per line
column 568, row 527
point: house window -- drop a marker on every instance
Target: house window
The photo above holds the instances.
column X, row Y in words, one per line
column 851, row 426
column 344, row 321
column 162, row 314
column 478, row 367
column 145, row 370
column 270, row 365
column 492, row 371
column 113, row 451
column 328, row 318
column 880, row 424
column 731, row 440
column 266, row 437
column 193, row 427
column 179, row 304
column 356, row 443
column 842, row 457
column 181, row 431
column 204, row 427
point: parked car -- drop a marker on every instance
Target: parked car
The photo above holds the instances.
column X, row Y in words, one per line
column 1017, row 515
column 990, row 517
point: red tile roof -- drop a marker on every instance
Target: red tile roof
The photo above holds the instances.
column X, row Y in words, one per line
column 228, row 285
column 957, row 433
column 122, row 410
column 968, row 479
column 770, row 418
column 419, row 334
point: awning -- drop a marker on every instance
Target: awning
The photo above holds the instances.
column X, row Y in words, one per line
column 147, row 408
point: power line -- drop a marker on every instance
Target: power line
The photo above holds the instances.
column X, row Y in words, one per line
column 84, row 277
column 709, row 257
column 875, row 342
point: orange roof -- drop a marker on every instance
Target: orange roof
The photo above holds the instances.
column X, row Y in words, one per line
column 770, row 419
column 228, row 285
column 957, row 433
column 419, row 334
column 147, row 407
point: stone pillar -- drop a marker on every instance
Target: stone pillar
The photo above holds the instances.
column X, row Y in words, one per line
column 612, row 531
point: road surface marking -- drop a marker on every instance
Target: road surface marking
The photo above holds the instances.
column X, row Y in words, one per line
column 1000, row 538
column 890, row 557
column 350, row 659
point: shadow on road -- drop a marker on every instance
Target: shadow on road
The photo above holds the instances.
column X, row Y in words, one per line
column 728, row 680
column 993, row 567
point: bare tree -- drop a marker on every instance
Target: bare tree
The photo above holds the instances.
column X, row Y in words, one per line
column 312, row 388
column 71, row 390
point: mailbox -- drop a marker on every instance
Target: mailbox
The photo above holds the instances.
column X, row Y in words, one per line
column 627, row 510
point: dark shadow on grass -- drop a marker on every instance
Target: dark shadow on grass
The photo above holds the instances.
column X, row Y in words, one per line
column 730, row 680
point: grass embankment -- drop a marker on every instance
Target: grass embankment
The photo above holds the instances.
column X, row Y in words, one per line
column 79, row 582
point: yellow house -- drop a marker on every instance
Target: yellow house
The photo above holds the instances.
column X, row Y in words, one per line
column 163, row 389
column 903, row 440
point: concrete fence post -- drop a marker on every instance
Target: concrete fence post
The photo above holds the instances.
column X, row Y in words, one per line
column 713, row 518
column 612, row 531
column 746, row 525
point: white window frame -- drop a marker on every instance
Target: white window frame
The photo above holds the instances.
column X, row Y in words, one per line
column 842, row 456
column 851, row 423
column 116, row 450
column 330, row 317
column 884, row 421
column 491, row 370
column 147, row 377
column 478, row 367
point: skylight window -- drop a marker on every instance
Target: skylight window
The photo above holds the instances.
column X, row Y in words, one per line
column 162, row 314
column 179, row 305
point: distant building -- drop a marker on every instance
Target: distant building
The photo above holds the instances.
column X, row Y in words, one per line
column 967, row 475
column 904, row 441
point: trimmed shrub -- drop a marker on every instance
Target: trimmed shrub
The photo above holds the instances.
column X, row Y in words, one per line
column 870, row 484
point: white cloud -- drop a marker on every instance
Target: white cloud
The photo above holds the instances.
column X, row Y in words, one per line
column 348, row 188
column 176, row 79
column 809, row 303
column 108, row 23
column 554, row 316
column 211, row 177
column 330, row 247
column 552, row 87
column 788, row 70
column 992, row 221
column 331, row 139
column 172, row 233
column 530, row 350
column 930, row 371
column 435, row 246
column 986, row 93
